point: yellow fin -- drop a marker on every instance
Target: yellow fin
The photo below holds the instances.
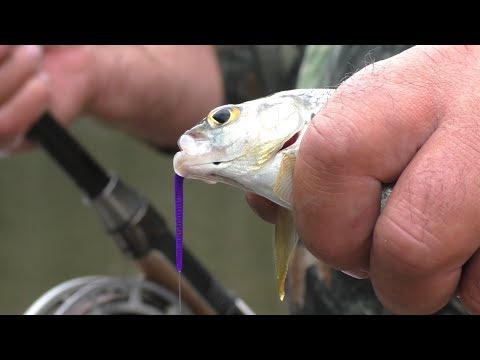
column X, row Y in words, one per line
column 285, row 241
column 283, row 185
column 257, row 154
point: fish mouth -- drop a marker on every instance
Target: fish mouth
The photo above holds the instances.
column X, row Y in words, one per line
column 182, row 165
column 187, row 166
column 193, row 146
column 183, row 168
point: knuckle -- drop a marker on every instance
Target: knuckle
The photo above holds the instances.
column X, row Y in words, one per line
column 40, row 87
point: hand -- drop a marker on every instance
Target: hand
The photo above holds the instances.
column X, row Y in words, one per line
column 414, row 118
column 145, row 90
column 34, row 79
column 23, row 92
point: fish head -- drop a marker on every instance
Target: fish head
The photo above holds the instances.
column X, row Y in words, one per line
column 234, row 142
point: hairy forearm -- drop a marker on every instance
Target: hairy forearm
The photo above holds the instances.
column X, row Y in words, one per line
column 155, row 92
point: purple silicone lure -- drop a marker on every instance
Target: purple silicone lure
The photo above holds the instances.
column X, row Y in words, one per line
column 179, row 219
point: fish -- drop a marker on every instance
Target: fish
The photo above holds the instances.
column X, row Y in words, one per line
column 253, row 146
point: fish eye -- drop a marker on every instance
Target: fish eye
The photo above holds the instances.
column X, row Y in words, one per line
column 223, row 115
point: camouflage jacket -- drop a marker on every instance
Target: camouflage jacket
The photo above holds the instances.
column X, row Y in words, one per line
column 258, row 70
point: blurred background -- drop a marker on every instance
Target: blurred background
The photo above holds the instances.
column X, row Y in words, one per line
column 48, row 236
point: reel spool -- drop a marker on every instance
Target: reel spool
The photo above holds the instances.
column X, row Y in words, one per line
column 107, row 295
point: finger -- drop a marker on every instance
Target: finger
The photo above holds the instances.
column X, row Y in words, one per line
column 266, row 209
column 429, row 227
column 26, row 106
column 469, row 290
column 23, row 62
column 5, row 50
column 359, row 140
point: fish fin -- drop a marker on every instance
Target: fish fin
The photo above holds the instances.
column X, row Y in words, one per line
column 283, row 185
column 285, row 240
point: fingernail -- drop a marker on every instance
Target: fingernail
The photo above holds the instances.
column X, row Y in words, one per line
column 359, row 274
column 8, row 147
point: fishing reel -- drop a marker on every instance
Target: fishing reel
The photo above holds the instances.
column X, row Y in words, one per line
column 108, row 295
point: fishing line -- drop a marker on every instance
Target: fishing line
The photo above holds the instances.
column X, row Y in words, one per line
column 180, row 293
column 179, row 231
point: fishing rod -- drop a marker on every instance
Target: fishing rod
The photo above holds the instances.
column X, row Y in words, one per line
column 138, row 229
